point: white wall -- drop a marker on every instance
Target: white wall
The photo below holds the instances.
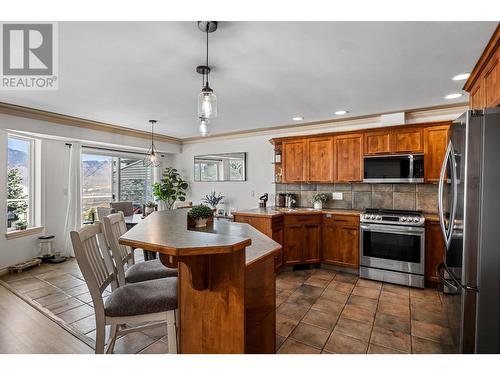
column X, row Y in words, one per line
column 54, row 158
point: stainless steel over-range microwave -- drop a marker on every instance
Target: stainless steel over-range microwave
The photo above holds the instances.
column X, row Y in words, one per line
column 401, row 168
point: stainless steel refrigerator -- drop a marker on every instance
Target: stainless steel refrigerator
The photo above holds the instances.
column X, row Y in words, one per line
column 469, row 210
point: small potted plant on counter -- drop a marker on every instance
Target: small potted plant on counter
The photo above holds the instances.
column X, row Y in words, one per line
column 213, row 199
column 21, row 225
column 200, row 214
column 318, row 200
column 150, row 207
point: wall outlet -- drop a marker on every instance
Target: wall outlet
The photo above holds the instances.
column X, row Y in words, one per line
column 337, row 196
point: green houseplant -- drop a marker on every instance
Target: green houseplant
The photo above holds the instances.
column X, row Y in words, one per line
column 200, row 214
column 150, row 207
column 213, row 199
column 21, row 225
column 318, row 200
column 171, row 187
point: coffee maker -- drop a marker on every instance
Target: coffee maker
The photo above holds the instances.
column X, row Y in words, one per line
column 280, row 200
column 290, row 200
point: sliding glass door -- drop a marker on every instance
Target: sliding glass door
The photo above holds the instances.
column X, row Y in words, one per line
column 108, row 178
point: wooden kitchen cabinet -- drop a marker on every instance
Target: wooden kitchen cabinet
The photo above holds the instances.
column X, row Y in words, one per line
column 434, row 249
column 348, row 155
column 407, row 140
column 377, row 142
column 294, row 160
column 302, row 240
column 341, row 240
column 483, row 83
column 435, row 143
column 320, row 159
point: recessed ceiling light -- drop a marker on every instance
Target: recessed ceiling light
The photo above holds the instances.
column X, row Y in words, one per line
column 297, row 118
column 453, row 96
column 341, row 112
column 461, row 77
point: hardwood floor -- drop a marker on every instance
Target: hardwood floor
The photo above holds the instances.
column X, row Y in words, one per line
column 26, row 330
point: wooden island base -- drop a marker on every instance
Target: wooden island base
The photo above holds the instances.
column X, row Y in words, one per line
column 226, row 283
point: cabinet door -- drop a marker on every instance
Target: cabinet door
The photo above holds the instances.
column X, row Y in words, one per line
column 407, row 140
column 347, row 246
column 294, row 161
column 292, row 250
column 491, row 83
column 377, row 142
column 435, row 143
column 330, row 236
column 476, row 97
column 434, row 250
column 278, row 237
column 320, row 159
column 348, row 150
column 312, row 244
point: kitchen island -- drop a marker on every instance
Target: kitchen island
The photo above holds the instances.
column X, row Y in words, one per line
column 226, row 281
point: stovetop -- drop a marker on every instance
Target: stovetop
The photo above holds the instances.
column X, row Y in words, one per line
column 393, row 217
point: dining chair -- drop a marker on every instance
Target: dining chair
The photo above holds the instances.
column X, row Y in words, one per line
column 127, row 207
column 104, row 211
column 128, row 271
column 180, row 204
column 150, row 302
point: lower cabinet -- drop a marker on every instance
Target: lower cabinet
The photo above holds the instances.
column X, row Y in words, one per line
column 341, row 240
column 434, row 249
column 302, row 242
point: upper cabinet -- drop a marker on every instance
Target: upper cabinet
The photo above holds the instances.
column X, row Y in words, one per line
column 294, row 160
column 484, row 81
column 320, row 159
column 348, row 161
column 435, row 143
column 377, row 142
column 407, row 140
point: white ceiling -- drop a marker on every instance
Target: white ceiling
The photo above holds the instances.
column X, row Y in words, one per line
column 264, row 73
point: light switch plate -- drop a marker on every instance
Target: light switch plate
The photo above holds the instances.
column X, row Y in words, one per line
column 337, row 196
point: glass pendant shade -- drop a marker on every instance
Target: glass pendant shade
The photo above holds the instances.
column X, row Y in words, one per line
column 151, row 159
column 207, row 104
column 204, row 127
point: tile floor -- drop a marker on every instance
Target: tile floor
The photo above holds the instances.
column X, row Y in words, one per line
column 323, row 311
column 318, row 311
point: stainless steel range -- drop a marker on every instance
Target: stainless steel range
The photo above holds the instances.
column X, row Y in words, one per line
column 392, row 246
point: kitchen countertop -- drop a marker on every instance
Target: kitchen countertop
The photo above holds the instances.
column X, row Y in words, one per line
column 167, row 233
column 280, row 211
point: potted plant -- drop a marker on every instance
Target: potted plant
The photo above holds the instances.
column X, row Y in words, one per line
column 171, row 187
column 21, row 225
column 318, row 200
column 150, row 207
column 213, row 199
column 200, row 214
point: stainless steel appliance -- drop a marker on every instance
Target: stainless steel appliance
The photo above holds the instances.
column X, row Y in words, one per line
column 392, row 246
column 280, row 200
column 407, row 168
column 290, row 200
column 469, row 205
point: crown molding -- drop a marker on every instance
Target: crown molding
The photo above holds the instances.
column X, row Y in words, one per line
column 37, row 114
column 411, row 116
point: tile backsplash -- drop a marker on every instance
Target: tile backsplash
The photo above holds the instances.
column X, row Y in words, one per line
column 359, row 196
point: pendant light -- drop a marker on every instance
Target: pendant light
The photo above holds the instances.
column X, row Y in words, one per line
column 151, row 158
column 207, row 100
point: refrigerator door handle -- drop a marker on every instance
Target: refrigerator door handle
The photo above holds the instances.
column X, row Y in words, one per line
column 454, row 288
column 446, row 234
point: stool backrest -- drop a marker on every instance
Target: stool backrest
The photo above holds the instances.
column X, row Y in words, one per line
column 94, row 261
column 114, row 228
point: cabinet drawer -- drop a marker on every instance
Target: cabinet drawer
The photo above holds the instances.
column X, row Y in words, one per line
column 341, row 219
column 302, row 219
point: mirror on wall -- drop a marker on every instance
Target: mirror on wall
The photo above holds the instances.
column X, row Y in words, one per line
column 220, row 167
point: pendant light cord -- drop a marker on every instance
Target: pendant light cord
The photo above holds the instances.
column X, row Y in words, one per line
column 208, row 25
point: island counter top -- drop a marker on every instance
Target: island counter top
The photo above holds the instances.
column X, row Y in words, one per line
column 166, row 232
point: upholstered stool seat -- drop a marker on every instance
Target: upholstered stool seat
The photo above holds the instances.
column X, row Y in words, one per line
column 148, row 270
column 146, row 297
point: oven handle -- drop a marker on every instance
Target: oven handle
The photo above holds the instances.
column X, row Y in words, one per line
column 412, row 231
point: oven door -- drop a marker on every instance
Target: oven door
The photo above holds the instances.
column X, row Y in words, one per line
column 392, row 247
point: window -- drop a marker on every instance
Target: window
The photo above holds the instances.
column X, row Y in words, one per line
column 108, row 178
column 20, row 177
column 220, row 167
